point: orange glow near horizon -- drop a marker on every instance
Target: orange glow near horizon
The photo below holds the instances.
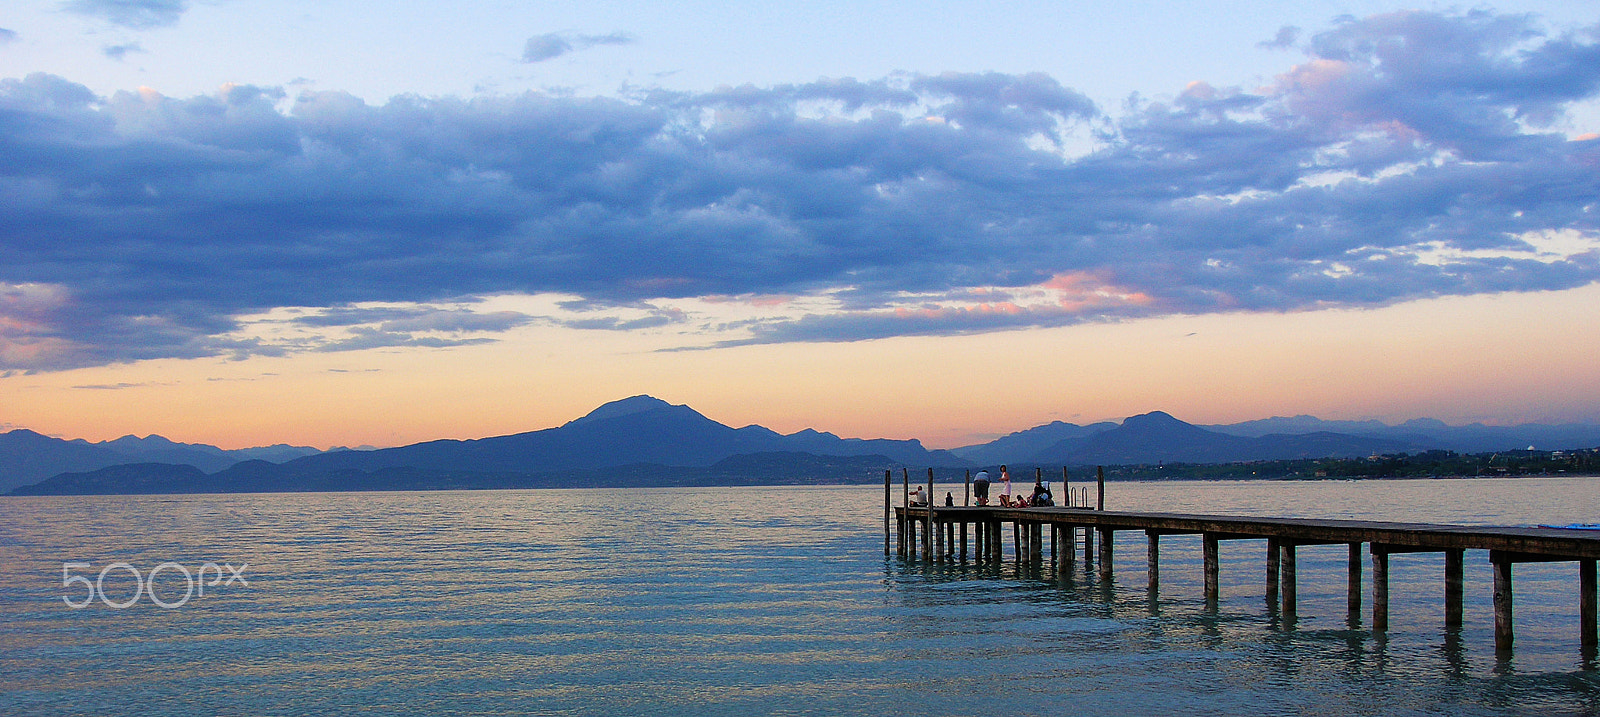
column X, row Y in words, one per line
column 1497, row 359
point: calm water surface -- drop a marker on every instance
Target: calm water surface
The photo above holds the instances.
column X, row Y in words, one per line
column 749, row 602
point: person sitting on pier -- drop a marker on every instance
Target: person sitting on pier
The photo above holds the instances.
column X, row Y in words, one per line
column 917, row 498
column 980, row 487
column 1041, row 495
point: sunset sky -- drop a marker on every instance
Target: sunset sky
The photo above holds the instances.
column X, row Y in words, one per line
column 241, row 222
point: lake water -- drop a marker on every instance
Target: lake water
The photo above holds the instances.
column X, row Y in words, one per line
column 748, row 601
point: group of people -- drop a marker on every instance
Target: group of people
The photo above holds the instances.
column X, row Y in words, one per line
column 980, row 490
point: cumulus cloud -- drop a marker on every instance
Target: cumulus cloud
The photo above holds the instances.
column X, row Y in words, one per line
column 136, row 14
column 555, row 44
column 1408, row 156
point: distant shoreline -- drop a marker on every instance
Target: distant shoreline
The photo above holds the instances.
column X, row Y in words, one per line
column 942, row 477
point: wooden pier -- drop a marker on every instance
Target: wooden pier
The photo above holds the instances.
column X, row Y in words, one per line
column 942, row 533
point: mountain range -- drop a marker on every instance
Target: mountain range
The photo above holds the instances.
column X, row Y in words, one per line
column 646, row 441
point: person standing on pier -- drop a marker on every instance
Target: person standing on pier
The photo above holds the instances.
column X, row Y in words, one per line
column 980, row 487
column 1005, row 486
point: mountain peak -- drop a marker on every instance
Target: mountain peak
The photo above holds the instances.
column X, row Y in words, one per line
column 1153, row 419
column 624, row 407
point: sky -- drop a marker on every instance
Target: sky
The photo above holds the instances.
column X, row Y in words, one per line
column 244, row 223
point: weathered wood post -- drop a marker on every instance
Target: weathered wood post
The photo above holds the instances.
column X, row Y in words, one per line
column 1106, row 534
column 1088, row 547
column 1290, row 592
column 1069, row 547
column 1352, row 596
column 1152, row 561
column 1100, row 480
column 1454, row 585
column 900, row 531
column 1066, row 489
column 966, row 492
column 931, row 547
column 1208, row 542
column 908, row 527
column 1380, row 588
column 1589, row 613
column 887, row 491
column 1503, row 634
column 1274, row 553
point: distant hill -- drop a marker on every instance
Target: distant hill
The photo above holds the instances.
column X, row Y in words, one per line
column 640, row 429
column 1471, row 438
column 28, row 457
column 678, row 444
column 1158, row 437
column 1026, row 444
column 646, row 441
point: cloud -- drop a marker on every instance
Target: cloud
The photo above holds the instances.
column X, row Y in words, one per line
column 555, row 44
column 1408, row 156
column 118, row 52
column 136, row 14
column 7, row 36
column 1284, row 39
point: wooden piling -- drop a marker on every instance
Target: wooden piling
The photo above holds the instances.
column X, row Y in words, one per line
column 966, row 491
column 905, row 487
column 1106, row 535
column 1069, row 548
column 1290, row 582
column 1100, row 480
column 1088, row 548
column 1589, row 614
column 929, row 548
column 887, row 508
column 1503, row 635
column 1454, row 586
column 1152, row 561
column 1274, row 555
column 1211, row 565
column 1380, row 589
column 1352, row 597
